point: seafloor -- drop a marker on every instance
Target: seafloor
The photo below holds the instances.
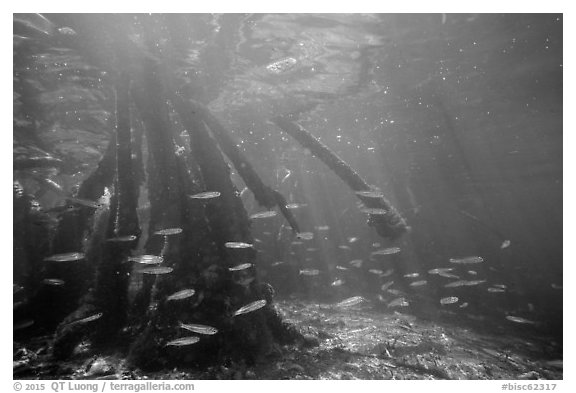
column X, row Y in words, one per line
column 356, row 343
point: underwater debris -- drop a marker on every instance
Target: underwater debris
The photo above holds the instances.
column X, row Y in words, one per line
column 351, row 301
column 66, row 257
column 519, row 320
column 168, row 231
column 147, row 259
column 387, row 251
column 467, row 260
column 242, row 266
column 180, row 342
column 183, row 294
column 399, row 302
column 205, row 195
column 265, row 214
column 418, row 283
column 53, row 281
column 281, row 66
column 449, row 300
column 200, row 329
column 121, row 239
column 370, row 194
column 309, row 272
column 237, row 245
column 258, row 304
column 155, row 270
column 305, row 235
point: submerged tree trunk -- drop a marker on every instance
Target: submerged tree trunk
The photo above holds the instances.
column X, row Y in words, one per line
column 388, row 225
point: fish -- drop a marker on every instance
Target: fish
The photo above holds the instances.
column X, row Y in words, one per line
column 311, row 249
column 121, row 239
column 147, row 259
column 243, row 266
column 399, row 302
column 556, row 286
column 370, row 194
column 297, row 206
column 281, row 66
column 205, row 195
column 559, row 363
column 505, row 244
column 467, row 260
column 394, row 292
column 66, row 30
column 155, row 270
column 66, row 257
column 309, row 272
column 183, row 294
column 258, row 304
column 412, row 275
column 418, row 283
column 388, row 272
column 85, row 202
column 90, row 318
column 464, row 305
column 245, row 281
column 387, row 285
column 447, row 275
column 266, row 214
column 475, row 282
column 237, row 245
column 351, row 301
column 297, row 242
column 496, row 290
column 455, row 284
column 200, row 329
column 356, row 263
column 337, row 283
column 375, row 271
column 168, row 231
column 519, row 320
column 473, row 272
column 352, row 239
column 439, row 270
column 387, row 251
column 323, row 228
column 449, row 300
column 344, row 247
column 305, row 236
column 23, row 324
column 376, row 245
column 180, row 342
column 53, row 281
column 341, row 267
column 502, row 286
column 16, row 288
column 374, row 211
column 277, row 263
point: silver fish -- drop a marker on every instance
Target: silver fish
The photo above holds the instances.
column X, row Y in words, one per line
column 351, row 301
column 85, row 202
column 455, row 284
column 200, row 329
column 344, row 247
column 388, row 272
column 183, row 294
column 374, row 211
column 266, row 214
column 418, row 283
column 168, row 231
column 237, row 245
column 24, row 324
column 412, row 275
column 387, row 285
column 277, row 263
column 305, row 235
column 449, row 300
column 387, row 251
column 205, row 195
column 155, row 270
column 66, row 257
column 496, row 290
column 243, row 266
column 53, row 281
column 295, row 205
column 356, row 263
column 310, row 272
column 370, row 194
column 121, row 239
column 505, row 244
column 519, row 319
column 258, row 304
column 179, row 342
column 337, row 283
column 375, row 271
column 439, row 270
column 281, row 66
column 87, row 319
column 467, row 260
column 399, row 302
column 147, row 259
column 341, row 267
